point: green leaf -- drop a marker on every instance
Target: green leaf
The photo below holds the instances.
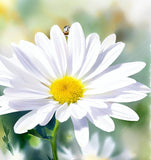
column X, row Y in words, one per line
column 9, row 147
column 48, row 131
column 34, row 133
column 6, row 130
column 6, row 138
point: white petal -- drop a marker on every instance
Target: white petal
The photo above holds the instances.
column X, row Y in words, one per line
column 101, row 120
column 25, row 93
column 19, row 76
column 120, row 96
column 108, row 148
column 63, row 113
column 12, row 66
column 120, row 71
column 28, row 104
column 60, row 47
column 125, row 69
column 27, row 122
column 91, row 53
column 123, row 112
column 48, row 112
column 129, row 93
column 93, row 146
column 66, row 154
column 136, row 87
column 78, row 111
column 104, row 60
column 76, row 44
column 81, row 130
column 110, row 55
column 85, row 103
column 27, row 83
column 5, row 82
column 3, row 70
column 33, row 118
column 46, row 45
column 38, row 58
column 95, row 142
column 108, row 41
column 43, row 42
column 107, row 85
column 31, row 64
column 5, row 108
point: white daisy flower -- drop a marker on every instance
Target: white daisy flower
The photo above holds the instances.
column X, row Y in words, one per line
column 94, row 151
column 17, row 155
column 71, row 78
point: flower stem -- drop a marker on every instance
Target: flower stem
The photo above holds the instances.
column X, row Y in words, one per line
column 53, row 140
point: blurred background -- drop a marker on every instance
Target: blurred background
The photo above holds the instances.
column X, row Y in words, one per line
column 129, row 19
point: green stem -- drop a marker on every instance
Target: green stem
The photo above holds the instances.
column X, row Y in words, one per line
column 53, row 140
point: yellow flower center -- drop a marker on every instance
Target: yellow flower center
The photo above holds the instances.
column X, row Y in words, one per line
column 67, row 90
column 93, row 157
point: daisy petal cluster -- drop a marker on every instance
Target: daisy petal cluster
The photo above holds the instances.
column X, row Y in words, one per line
column 92, row 151
column 69, row 78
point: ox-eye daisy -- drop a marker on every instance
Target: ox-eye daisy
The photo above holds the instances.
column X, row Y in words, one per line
column 94, row 151
column 71, row 78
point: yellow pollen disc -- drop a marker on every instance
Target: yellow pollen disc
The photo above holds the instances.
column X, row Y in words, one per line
column 93, row 157
column 67, row 90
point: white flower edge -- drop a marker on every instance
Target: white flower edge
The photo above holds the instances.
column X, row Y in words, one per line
column 17, row 155
column 93, row 149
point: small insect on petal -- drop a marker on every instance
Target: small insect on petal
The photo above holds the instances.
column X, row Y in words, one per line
column 66, row 30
